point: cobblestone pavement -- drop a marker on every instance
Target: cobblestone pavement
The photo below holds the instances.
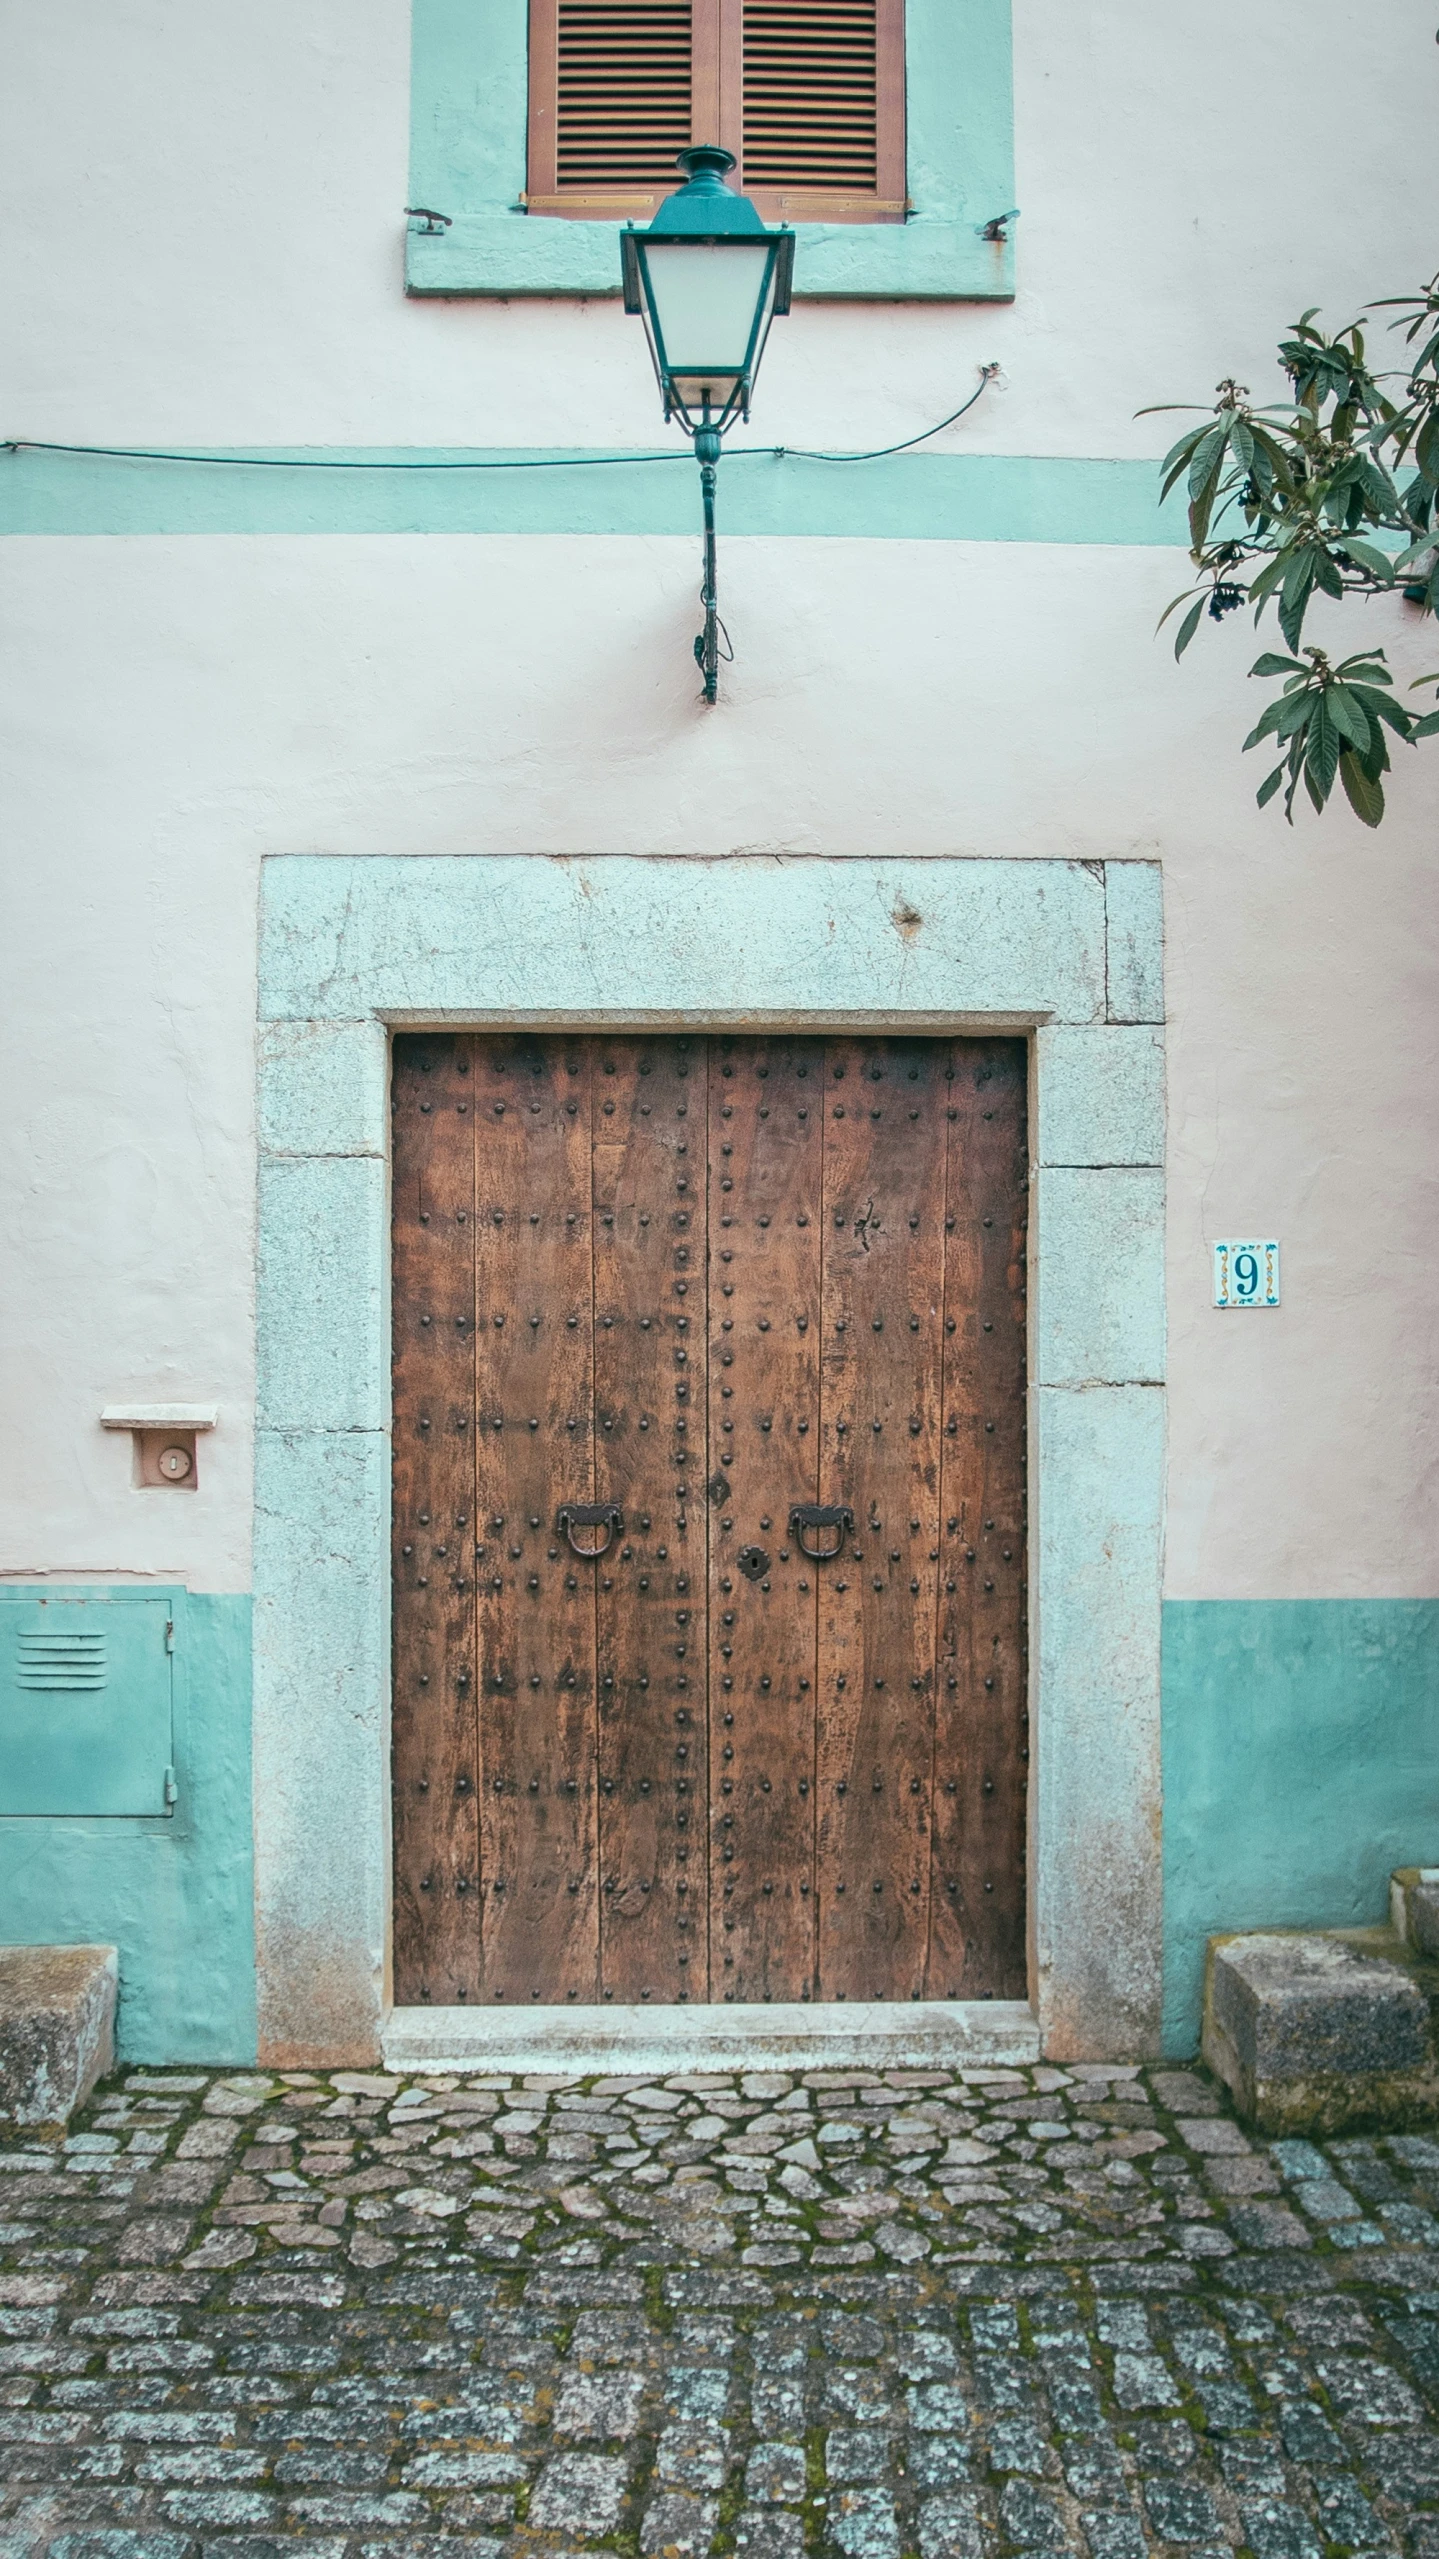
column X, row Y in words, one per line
column 364, row 2316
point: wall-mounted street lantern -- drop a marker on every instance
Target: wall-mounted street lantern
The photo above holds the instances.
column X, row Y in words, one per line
column 707, row 278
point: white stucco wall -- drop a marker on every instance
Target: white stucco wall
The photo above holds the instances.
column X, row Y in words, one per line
column 209, row 203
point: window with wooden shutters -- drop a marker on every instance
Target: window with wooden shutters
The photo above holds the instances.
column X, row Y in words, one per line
column 807, row 94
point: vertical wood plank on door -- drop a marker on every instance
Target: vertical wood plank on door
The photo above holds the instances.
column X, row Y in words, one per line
column 766, row 1145
column 436, row 1950
column 533, row 1367
column 649, row 1226
column 880, row 1433
column 981, row 1743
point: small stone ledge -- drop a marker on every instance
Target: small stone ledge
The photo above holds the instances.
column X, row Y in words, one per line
column 1314, row 2033
column 57, row 2028
column 1414, row 1908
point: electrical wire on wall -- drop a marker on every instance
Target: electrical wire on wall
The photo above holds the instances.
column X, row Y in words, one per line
column 485, row 462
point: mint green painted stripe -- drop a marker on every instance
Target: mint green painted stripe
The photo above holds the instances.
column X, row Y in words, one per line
column 1299, row 1768
column 176, row 1896
column 917, row 497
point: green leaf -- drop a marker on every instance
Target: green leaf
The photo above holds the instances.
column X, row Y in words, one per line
column 1349, row 717
column 1382, row 706
column 1296, row 712
column 1269, row 664
column 1270, row 457
column 1175, row 465
column 1364, row 792
column 1265, row 728
column 1373, row 683
column 1188, row 627
column 1428, row 726
column 1375, row 564
column 1269, row 786
column 1323, row 760
column 1173, row 606
column 1186, row 443
column 1379, row 489
column 1291, row 621
column 1298, row 586
column 1375, row 756
column 1201, row 507
column 1207, row 454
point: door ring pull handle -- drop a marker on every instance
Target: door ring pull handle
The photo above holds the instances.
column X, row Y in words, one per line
column 605, row 1515
column 821, row 1515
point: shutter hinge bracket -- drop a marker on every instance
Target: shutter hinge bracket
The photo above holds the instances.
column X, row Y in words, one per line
column 172, row 1791
column 169, row 1634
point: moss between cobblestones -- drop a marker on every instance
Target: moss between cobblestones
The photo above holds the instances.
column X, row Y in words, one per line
column 1124, row 2239
column 813, row 2510
column 731, row 2500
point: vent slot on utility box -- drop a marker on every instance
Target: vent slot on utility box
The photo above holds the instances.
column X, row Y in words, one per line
column 45, row 1660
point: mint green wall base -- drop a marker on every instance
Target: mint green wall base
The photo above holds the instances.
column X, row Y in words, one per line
column 1301, row 1763
column 175, row 1896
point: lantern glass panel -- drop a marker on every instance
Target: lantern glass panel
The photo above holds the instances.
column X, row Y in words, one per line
column 705, row 296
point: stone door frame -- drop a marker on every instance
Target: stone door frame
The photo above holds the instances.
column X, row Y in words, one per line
column 1069, row 952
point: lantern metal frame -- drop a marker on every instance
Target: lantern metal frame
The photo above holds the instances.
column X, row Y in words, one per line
column 706, row 213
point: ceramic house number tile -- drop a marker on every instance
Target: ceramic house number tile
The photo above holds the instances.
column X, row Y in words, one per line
column 1246, row 1274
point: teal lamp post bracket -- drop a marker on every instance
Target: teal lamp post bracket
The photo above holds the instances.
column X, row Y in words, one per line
column 707, row 279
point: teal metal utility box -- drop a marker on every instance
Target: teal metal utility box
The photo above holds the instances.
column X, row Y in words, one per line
column 87, row 1702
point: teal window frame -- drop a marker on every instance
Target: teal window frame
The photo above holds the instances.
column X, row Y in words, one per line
column 469, row 102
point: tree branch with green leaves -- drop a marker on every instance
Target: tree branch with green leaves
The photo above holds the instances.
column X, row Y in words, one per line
column 1333, row 493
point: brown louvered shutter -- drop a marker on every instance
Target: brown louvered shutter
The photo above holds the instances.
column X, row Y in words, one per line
column 617, row 87
column 808, row 94
column 823, row 109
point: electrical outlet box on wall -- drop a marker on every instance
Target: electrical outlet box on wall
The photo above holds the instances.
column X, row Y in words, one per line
column 165, row 1440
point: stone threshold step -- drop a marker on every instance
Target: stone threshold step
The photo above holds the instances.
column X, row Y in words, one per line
column 793, row 2035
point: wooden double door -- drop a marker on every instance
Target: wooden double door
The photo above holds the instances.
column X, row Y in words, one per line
column 709, row 1518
